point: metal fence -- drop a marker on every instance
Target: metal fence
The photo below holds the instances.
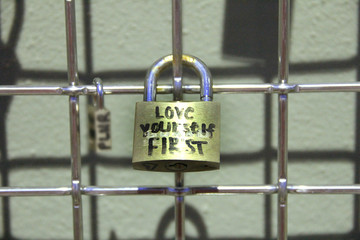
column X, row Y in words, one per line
column 76, row 190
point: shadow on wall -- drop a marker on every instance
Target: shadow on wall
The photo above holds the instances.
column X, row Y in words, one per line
column 250, row 34
column 251, row 31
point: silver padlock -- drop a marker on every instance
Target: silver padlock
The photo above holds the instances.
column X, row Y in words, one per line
column 99, row 121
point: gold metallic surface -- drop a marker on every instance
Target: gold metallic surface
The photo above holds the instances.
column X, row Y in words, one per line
column 177, row 136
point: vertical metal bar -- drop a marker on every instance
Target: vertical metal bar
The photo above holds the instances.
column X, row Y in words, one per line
column 179, row 209
column 282, row 166
column 177, row 96
column 177, row 48
column 283, row 47
column 70, row 22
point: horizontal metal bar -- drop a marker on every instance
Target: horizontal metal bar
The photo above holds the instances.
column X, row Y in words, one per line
column 190, row 89
column 194, row 190
column 254, row 189
column 112, row 191
column 339, row 189
column 36, row 191
column 179, row 191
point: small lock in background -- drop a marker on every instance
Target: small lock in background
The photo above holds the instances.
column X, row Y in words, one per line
column 99, row 129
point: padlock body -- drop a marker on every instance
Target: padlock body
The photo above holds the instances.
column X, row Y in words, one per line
column 176, row 136
column 99, row 129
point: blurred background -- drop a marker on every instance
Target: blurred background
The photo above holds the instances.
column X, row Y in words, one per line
column 237, row 39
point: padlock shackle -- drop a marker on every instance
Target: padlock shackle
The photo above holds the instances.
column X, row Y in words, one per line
column 99, row 97
column 206, row 93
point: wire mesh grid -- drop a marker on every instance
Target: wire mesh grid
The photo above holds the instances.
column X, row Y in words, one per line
column 180, row 191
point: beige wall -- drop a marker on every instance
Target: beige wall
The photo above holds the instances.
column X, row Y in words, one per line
column 127, row 37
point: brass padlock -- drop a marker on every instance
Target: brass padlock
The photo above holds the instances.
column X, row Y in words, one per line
column 177, row 136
